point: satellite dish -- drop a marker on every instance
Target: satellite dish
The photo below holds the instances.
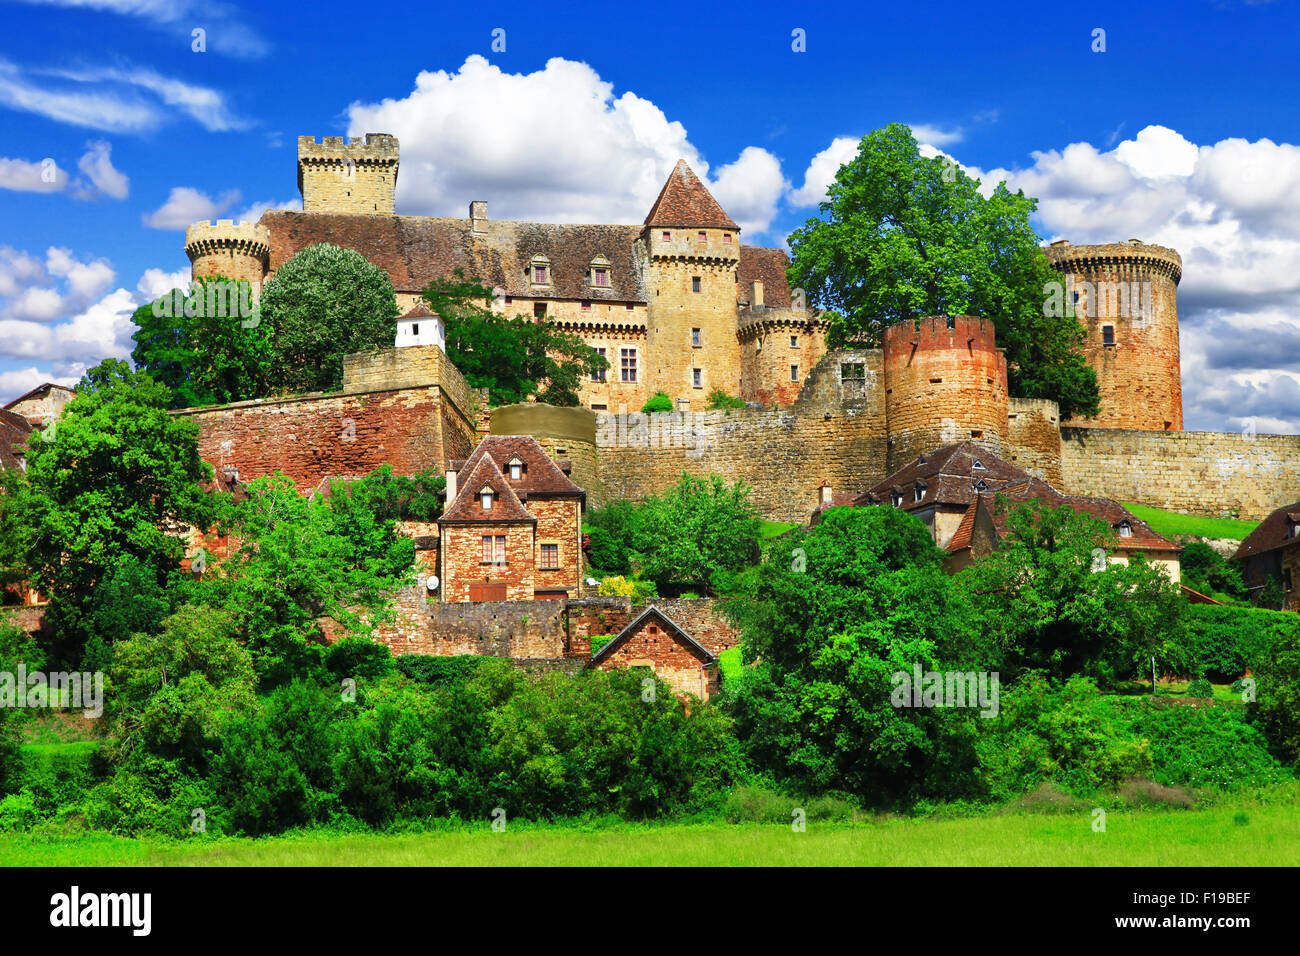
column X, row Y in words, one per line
column 431, row 582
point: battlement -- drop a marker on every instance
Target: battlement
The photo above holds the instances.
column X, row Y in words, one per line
column 348, row 178
column 372, row 148
column 940, row 333
column 249, row 238
column 1160, row 260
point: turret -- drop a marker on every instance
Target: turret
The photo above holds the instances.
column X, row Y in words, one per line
column 238, row 251
column 353, row 178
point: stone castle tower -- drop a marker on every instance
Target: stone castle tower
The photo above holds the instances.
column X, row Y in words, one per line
column 238, row 251
column 945, row 381
column 1126, row 295
column 357, row 178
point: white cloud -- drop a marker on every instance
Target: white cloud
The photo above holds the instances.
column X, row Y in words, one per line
column 254, row 212
column 555, row 145
column 156, row 282
column 20, row 381
column 36, row 290
column 750, row 188
column 37, row 177
column 97, row 165
column 822, row 169
column 934, row 136
column 186, row 205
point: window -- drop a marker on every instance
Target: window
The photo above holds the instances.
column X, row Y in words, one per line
column 897, row 496
column 700, row 236
column 726, row 237
column 695, row 338
column 509, row 299
column 981, row 485
column 794, row 341
column 1108, row 335
column 540, row 275
column 695, row 283
column 600, row 277
column 539, row 310
column 853, row 370
column 978, row 465
column 487, row 499
column 586, row 305
column 516, row 471
column 1125, row 529
column 629, row 306
column 599, row 374
column 550, row 557
column 1292, row 528
column 667, row 235
column 794, row 373
column 415, row 328
column 494, row 549
column 697, row 377
column 976, row 433
column 627, row 365
column 918, row 490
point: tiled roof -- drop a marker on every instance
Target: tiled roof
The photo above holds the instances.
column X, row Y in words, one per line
column 652, row 611
column 484, row 473
column 1111, row 512
column 541, row 474
column 14, row 429
column 768, row 267
column 685, row 202
column 1271, row 533
column 961, row 538
column 419, row 311
column 950, row 475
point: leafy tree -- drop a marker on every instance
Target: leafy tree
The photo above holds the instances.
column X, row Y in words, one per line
column 904, row 237
column 720, row 400
column 513, row 358
column 207, row 353
column 1051, row 611
column 1205, row 570
column 384, row 496
column 109, row 487
column 16, row 647
column 695, row 529
column 1277, row 677
column 325, row 303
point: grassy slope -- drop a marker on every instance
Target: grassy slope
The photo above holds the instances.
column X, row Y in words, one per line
column 1253, row 829
column 1170, row 523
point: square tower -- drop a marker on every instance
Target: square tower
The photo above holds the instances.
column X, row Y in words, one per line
column 357, row 178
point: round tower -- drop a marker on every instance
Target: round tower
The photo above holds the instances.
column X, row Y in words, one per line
column 1126, row 295
column 945, row 382
column 238, row 251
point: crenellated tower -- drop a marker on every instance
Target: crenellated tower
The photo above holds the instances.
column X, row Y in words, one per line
column 236, row 250
column 350, row 178
column 690, row 249
column 1126, row 295
column 945, row 382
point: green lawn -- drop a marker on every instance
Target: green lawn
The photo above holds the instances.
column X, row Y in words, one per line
column 1171, row 523
column 1261, row 828
column 770, row 529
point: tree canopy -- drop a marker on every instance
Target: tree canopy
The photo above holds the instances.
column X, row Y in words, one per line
column 903, row 237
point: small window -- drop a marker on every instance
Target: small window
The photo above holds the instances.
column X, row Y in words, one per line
column 667, row 235
column 794, row 373
column 726, row 237
column 516, row 471
column 976, row 433
column 627, row 365
column 700, row 236
column 600, row 277
column 599, row 374
column 918, row 491
column 981, row 485
column 978, row 465
column 695, row 338
column 897, row 497
column 494, row 549
column 1125, row 529
column 1108, row 335
column 586, row 305
column 1292, row 529
column 539, row 310
column 415, row 328
column 510, row 300
column 853, row 370
column 695, row 283
column 550, row 557
column 487, row 499
column 540, row 274
column 697, row 377
column 1286, row 580
column 629, row 306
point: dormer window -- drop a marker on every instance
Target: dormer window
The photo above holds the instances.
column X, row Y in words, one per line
column 516, row 469
column 981, row 485
column 540, row 270
column 978, row 465
column 1292, row 528
column 897, row 497
column 600, row 272
column 1125, row 529
column 486, row 499
column 919, row 490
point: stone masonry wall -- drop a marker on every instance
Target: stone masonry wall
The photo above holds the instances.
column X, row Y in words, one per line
column 1034, row 438
column 1206, row 473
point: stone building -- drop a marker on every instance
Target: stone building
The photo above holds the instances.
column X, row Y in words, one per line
column 43, row 404
column 656, row 642
column 675, row 304
column 511, row 529
column 1272, row 550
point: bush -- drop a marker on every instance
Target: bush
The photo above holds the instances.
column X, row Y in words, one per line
column 640, row 591
column 605, row 552
column 1202, row 746
column 751, row 804
column 719, row 400
column 1205, row 570
column 1223, row 641
column 359, row 657
column 1277, row 682
column 439, row 671
column 658, row 402
column 1200, row 688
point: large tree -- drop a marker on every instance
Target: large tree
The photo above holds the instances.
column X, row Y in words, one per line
column 205, row 349
column 513, row 358
column 324, row 303
column 903, row 237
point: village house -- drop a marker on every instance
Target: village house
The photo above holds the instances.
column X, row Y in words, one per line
column 655, row 641
column 1272, row 550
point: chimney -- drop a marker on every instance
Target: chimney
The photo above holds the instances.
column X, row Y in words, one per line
column 756, row 295
column 451, row 489
column 478, row 216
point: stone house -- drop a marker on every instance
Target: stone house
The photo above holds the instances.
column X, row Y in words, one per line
column 655, row 641
column 511, row 529
column 43, row 404
column 1273, row 550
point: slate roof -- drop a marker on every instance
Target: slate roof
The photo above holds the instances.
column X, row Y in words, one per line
column 685, row 202
column 1270, row 534
column 622, row 636
column 506, row 506
column 14, row 429
column 1111, row 512
column 950, row 475
column 768, row 267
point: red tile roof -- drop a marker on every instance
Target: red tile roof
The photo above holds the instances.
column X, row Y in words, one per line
column 419, row 311
column 685, row 202
column 1271, row 533
column 1111, row 512
column 542, row 475
column 961, row 538
column 483, row 474
column 768, row 267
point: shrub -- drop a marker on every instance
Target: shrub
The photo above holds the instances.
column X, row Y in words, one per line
column 752, row 804
column 1223, row 641
column 719, row 400
column 439, row 671
column 606, row 552
column 1202, row 746
column 358, row 656
column 1200, row 688
column 658, row 402
column 1277, row 682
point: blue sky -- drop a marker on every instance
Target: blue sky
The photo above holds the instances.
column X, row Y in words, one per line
column 1180, row 132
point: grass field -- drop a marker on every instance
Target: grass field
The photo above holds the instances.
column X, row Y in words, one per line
column 1257, row 829
column 1171, row 523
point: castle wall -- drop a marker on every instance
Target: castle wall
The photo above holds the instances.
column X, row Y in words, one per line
column 564, row 433
column 943, row 384
column 1034, row 438
column 1205, row 473
column 835, row 431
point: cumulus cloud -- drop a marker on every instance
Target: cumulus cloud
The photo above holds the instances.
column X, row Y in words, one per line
column 186, row 205
column 925, row 133
column 40, row 290
column 254, row 211
column 112, row 99
column 20, row 381
column 22, row 175
column 555, row 145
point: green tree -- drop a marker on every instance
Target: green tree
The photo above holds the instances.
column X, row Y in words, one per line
column 109, row 484
column 905, row 237
column 325, row 303
column 697, row 528
column 207, row 351
column 513, row 358
column 1207, row 571
column 1042, row 595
